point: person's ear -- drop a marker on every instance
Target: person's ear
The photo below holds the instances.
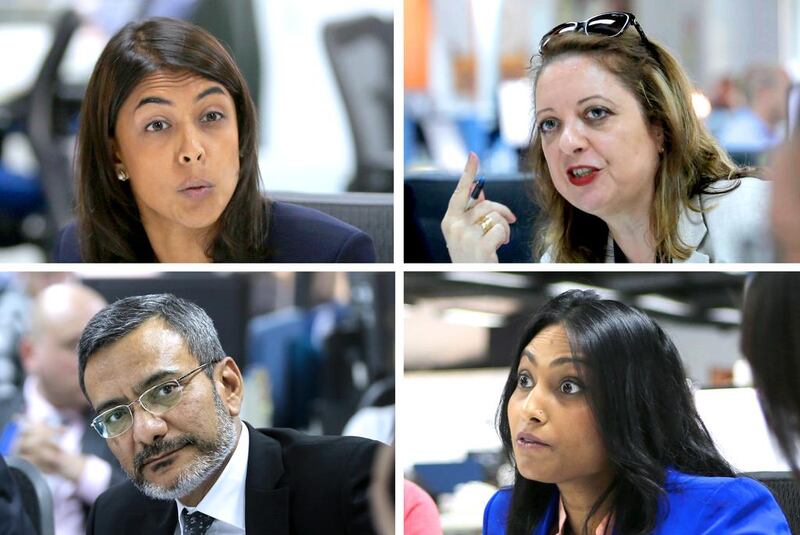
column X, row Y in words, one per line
column 113, row 148
column 230, row 385
column 26, row 355
column 657, row 133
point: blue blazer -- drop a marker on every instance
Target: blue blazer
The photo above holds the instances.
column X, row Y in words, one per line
column 694, row 505
column 296, row 234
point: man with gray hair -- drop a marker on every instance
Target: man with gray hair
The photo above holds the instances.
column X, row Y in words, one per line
column 194, row 466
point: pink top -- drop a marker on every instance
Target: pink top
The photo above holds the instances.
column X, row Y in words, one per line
column 607, row 523
column 420, row 514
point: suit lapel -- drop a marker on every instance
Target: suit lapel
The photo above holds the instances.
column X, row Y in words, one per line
column 266, row 507
column 158, row 517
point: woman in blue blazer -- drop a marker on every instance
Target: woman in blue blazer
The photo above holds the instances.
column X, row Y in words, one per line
column 600, row 424
column 167, row 163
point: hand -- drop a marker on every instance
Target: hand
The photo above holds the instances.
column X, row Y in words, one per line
column 786, row 200
column 467, row 239
column 38, row 444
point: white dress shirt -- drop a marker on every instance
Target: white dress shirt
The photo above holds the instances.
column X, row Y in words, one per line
column 225, row 499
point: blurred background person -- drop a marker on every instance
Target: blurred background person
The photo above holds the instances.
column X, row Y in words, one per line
column 771, row 343
column 758, row 125
column 784, row 213
column 51, row 416
column 19, row 290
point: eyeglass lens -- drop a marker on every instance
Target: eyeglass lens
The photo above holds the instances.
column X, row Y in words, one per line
column 157, row 400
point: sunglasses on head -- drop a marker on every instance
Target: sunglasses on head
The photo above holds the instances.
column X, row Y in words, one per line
column 608, row 24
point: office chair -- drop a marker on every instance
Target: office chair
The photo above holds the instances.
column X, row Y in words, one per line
column 36, row 494
column 429, row 197
column 786, row 490
column 43, row 128
column 371, row 212
column 361, row 54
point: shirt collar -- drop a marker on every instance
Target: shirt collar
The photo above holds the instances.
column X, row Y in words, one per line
column 601, row 529
column 38, row 408
column 225, row 499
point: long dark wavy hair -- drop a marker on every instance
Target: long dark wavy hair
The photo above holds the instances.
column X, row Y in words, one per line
column 771, row 343
column 110, row 227
column 645, row 413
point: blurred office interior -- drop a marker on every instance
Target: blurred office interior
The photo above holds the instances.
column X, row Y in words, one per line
column 467, row 87
column 321, row 74
column 461, row 328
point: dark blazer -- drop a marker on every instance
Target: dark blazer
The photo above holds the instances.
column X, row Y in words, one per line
column 296, row 484
column 296, row 234
column 13, row 519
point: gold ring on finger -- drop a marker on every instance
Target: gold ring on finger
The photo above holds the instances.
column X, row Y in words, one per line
column 486, row 223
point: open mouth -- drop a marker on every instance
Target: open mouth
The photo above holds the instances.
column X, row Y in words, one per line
column 580, row 176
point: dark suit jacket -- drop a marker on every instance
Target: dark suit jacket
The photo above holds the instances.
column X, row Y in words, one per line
column 296, row 484
column 13, row 519
column 296, row 234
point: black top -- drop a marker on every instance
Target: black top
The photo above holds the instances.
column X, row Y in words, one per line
column 13, row 519
column 295, row 484
column 296, row 234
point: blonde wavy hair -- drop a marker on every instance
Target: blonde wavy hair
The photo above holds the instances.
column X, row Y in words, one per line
column 691, row 161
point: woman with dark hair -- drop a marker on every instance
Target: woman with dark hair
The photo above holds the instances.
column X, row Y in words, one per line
column 624, row 169
column 771, row 343
column 599, row 422
column 167, row 163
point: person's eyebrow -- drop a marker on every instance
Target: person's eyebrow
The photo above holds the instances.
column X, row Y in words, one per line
column 213, row 90
column 558, row 361
column 140, row 387
column 543, row 110
column 152, row 100
column 581, row 101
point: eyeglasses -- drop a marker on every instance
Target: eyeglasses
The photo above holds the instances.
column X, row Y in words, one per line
column 609, row 24
column 156, row 400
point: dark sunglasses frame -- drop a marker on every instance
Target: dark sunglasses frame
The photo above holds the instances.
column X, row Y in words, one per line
column 585, row 28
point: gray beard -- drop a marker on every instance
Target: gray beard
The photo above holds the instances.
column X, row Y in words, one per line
column 212, row 455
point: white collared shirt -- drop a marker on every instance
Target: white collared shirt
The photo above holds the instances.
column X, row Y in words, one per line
column 225, row 499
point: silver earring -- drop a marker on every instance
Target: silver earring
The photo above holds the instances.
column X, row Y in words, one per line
column 122, row 175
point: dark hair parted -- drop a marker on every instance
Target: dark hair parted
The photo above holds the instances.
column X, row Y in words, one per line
column 121, row 317
column 638, row 393
column 771, row 343
column 109, row 222
column 691, row 162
